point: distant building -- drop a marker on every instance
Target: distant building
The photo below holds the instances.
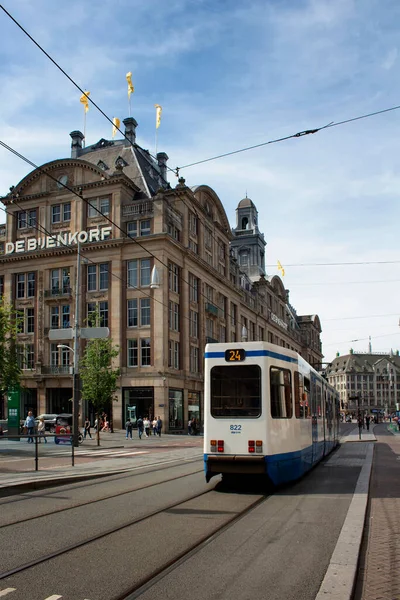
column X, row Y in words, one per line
column 160, row 264
column 369, row 381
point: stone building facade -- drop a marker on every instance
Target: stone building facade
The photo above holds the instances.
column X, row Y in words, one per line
column 367, row 381
column 160, row 264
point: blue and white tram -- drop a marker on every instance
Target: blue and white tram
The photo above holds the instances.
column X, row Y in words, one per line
column 266, row 412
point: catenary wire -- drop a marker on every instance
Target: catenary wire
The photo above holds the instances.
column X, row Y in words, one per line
column 22, row 157
column 292, row 136
column 364, row 317
column 112, row 222
column 177, row 169
column 76, row 85
column 42, row 229
column 362, row 339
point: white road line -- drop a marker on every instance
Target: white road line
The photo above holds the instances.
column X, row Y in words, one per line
column 53, row 597
column 7, row 591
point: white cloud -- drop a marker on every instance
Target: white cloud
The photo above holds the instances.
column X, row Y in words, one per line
column 229, row 76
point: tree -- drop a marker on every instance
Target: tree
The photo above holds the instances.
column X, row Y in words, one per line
column 99, row 378
column 10, row 372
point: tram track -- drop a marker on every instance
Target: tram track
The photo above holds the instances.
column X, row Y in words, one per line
column 103, row 498
column 147, row 580
column 98, row 536
column 158, row 574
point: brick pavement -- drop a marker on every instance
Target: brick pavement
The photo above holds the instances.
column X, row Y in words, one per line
column 379, row 567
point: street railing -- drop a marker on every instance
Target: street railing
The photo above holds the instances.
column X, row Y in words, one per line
column 68, row 437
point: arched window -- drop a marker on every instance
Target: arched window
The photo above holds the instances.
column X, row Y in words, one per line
column 245, row 221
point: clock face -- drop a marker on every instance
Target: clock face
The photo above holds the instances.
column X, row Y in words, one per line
column 61, row 181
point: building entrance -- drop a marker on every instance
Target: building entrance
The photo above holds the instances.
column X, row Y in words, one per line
column 138, row 402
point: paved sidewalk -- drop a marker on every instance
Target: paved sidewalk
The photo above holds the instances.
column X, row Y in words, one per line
column 379, row 568
column 143, row 454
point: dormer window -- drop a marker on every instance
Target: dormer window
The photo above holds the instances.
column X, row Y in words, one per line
column 98, row 207
column 26, row 218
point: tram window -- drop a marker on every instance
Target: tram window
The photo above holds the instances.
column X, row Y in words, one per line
column 298, row 393
column 319, row 401
column 281, row 393
column 306, row 398
column 236, row 391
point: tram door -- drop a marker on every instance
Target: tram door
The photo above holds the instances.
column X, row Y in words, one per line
column 314, row 419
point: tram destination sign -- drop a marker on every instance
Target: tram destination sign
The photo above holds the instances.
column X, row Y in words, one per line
column 235, row 355
column 59, row 240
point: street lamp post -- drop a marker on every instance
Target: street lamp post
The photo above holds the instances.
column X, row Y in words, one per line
column 75, row 397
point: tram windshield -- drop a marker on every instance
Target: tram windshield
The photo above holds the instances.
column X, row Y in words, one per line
column 236, row 391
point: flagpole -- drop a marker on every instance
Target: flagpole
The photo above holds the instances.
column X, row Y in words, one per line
column 156, row 141
column 129, row 104
column 84, row 127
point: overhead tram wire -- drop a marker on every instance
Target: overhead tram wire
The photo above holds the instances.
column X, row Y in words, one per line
column 177, row 169
column 292, row 136
column 42, row 229
column 40, row 169
column 340, row 264
column 77, row 86
column 78, row 195
column 372, row 337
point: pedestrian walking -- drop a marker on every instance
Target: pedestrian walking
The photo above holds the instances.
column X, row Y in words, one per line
column 146, row 425
column 159, row 426
column 140, row 427
column 154, row 425
column 42, row 430
column 30, row 426
column 190, row 427
column 86, row 430
column 367, row 421
column 128, row 429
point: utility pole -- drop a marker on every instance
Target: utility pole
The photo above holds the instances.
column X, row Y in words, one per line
column 76, row 385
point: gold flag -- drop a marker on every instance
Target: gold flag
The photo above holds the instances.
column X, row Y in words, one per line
column 281, row 269
column 85, row 101
column 116, row 124
column 131, row 89
column 158, row 115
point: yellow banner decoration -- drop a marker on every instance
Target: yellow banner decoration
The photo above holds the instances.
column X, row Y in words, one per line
column 281, row 269
column 116, row 124
column 158, row 115
column 84, row 100
column 131, row 89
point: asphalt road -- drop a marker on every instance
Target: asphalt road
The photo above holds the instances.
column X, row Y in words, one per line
column 279, row 550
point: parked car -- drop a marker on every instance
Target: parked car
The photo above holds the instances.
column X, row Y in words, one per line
column 49, row 422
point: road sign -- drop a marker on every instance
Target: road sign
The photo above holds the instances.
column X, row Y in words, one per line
column 87, row 333
column 61, row 334
column 94, row 333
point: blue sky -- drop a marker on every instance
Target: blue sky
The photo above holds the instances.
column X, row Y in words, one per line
column 229, row 75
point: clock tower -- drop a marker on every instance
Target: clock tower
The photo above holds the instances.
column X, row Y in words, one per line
column 248, row 244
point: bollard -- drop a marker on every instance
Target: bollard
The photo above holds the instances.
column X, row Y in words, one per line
column 36, row 453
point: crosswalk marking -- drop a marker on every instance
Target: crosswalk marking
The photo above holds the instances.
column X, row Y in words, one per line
column 9, row 590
